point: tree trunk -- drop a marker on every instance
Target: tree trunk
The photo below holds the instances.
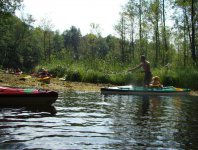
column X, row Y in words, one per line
column 132, row 47
column 49, row 50
column 165, row 55
column 193, row 32
column 123, row 39
column 44, row 46
column 140, row 25
column 157, row 43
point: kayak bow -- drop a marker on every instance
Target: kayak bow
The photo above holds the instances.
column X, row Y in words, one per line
column 26, row 97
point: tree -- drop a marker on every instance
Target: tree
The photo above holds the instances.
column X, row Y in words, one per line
column 90, row 41
column 10, row 41
column 131, row 13
column 188, row 18
column 95, row 29
column 58, row 42
column 9, row 6
column 7, row 22
column 47, row 26
column 121, row 30
column 72, row 40
column 154, row 18
column 165, row 57
column 194, row 57
column 140, row 23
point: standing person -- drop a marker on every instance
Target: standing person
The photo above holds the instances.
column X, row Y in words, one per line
column 145, row 64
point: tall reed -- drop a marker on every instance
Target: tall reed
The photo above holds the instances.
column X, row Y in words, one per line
column 100, row 71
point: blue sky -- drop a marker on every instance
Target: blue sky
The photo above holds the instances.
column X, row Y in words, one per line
column 80, row 13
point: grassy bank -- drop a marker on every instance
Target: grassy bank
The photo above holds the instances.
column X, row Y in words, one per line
column 179, row 77
column 117, row 74
column 55, row 84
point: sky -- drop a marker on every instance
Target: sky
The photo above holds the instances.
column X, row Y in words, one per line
column 79, row 13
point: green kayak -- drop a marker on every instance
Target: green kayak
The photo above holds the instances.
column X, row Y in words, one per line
column 132, row 90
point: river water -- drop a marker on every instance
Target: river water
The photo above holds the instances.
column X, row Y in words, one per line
column 81, row 120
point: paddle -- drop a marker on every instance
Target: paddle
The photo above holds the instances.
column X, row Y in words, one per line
column 117, row 73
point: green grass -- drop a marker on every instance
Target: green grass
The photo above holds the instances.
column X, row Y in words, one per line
column 99, row 71
column 180, row 77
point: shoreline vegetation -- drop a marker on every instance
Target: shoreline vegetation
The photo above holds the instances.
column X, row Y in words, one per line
column 55, row 84
column 118, row 74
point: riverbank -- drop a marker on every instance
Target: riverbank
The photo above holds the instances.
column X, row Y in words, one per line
column 55, row 84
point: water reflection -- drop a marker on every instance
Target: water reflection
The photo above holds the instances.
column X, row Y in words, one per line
column 18, row 123
column 150, row 122
column 94, row 121
column 50, row 110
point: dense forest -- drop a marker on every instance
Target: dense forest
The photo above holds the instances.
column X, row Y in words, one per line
column 165, row 31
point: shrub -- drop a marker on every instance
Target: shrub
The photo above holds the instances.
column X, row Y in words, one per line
column 58, row 71
column 73, row 75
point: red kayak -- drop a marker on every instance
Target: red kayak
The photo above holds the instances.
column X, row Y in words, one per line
column 26, row 97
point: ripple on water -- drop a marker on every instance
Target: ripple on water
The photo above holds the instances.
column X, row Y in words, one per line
column 94, row 121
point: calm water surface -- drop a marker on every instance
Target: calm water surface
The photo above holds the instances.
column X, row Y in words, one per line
column 95, row 121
